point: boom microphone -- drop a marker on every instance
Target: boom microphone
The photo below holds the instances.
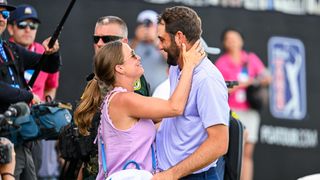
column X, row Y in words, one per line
column 51, row 43
column 18, row 109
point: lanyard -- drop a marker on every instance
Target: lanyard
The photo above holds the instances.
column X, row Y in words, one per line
column 5, row 58
column 154, row 161
column 104, row 158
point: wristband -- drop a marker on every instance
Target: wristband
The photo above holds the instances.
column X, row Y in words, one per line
column 7, row 174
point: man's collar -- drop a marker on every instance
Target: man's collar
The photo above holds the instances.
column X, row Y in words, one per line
column 196, row 69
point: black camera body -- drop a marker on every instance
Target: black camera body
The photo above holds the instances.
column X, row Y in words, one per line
column 5, row 153
column 231, row 84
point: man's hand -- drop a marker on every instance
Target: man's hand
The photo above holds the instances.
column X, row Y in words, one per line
column 54, row 49
column 9, row 167
column 36, row 99
column 164, row 175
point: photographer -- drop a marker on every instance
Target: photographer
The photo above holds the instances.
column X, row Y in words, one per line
column 7, row 169
column 14, row 60
column 23, row 26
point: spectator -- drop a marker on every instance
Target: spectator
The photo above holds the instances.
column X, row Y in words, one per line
column 22, row 27
column 239, row 65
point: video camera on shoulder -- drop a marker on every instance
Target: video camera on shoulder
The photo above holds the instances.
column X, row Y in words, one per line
column 21, row 123
column 8, row 128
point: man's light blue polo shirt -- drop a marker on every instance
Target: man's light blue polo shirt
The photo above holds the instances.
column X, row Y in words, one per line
column 178, row 137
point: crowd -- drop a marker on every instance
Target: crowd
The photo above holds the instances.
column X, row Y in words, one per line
column 180, row 133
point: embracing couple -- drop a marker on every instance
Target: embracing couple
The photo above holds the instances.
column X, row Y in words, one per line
column 193, row 133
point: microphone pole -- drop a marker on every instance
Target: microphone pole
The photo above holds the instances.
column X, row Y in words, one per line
column 53, row 39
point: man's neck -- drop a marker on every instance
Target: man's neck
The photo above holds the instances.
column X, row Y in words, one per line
column 25, row 46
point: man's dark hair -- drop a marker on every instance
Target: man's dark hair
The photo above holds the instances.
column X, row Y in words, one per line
column 184, row 19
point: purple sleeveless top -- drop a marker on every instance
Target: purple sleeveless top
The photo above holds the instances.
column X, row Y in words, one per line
column 124, row 145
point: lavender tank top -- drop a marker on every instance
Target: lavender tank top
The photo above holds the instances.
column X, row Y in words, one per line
column 124, row 145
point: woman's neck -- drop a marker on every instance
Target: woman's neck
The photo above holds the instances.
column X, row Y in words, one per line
column 128, row 85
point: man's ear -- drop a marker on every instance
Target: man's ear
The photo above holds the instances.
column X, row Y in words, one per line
column 125, row 40
column 180, row 38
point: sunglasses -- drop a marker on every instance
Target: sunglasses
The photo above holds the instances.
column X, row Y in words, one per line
column 5, row 14
column 24, row 24
column 105, row 39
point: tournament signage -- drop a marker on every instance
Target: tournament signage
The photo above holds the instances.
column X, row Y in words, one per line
column 288, row 87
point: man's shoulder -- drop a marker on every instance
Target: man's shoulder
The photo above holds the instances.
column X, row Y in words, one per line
column 205, row 69
column 10, row 45
column 207, row 72
column 15, row 48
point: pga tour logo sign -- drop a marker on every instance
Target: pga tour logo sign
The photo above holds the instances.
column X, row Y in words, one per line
column 288, row 86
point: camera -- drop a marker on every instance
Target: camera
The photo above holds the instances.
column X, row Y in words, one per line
column 231, row 84
column 5, row 153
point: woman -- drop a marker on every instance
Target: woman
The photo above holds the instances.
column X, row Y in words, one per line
column 245, row 67
column 126, row 131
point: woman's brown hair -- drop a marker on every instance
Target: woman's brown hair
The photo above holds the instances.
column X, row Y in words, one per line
column 104, row 69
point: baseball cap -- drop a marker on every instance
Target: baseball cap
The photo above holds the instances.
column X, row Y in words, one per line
column 209, row 50
column 4, row 3
column 147, row 16
column 24, row 12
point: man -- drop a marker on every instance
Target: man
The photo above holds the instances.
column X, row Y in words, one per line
column 13, row 61
column 22, row 27
column 145, row 43
column 188, row 146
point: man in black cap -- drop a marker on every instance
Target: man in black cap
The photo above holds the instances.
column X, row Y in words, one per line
column 14, row 60
column 23, row 24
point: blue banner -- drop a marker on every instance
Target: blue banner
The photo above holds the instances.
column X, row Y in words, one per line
column 288, row 88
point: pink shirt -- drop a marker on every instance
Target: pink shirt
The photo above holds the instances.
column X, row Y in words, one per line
column 124, row 145
column 44, row 80
column 231, row 71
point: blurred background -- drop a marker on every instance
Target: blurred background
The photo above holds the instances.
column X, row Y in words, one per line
column 278, row 31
